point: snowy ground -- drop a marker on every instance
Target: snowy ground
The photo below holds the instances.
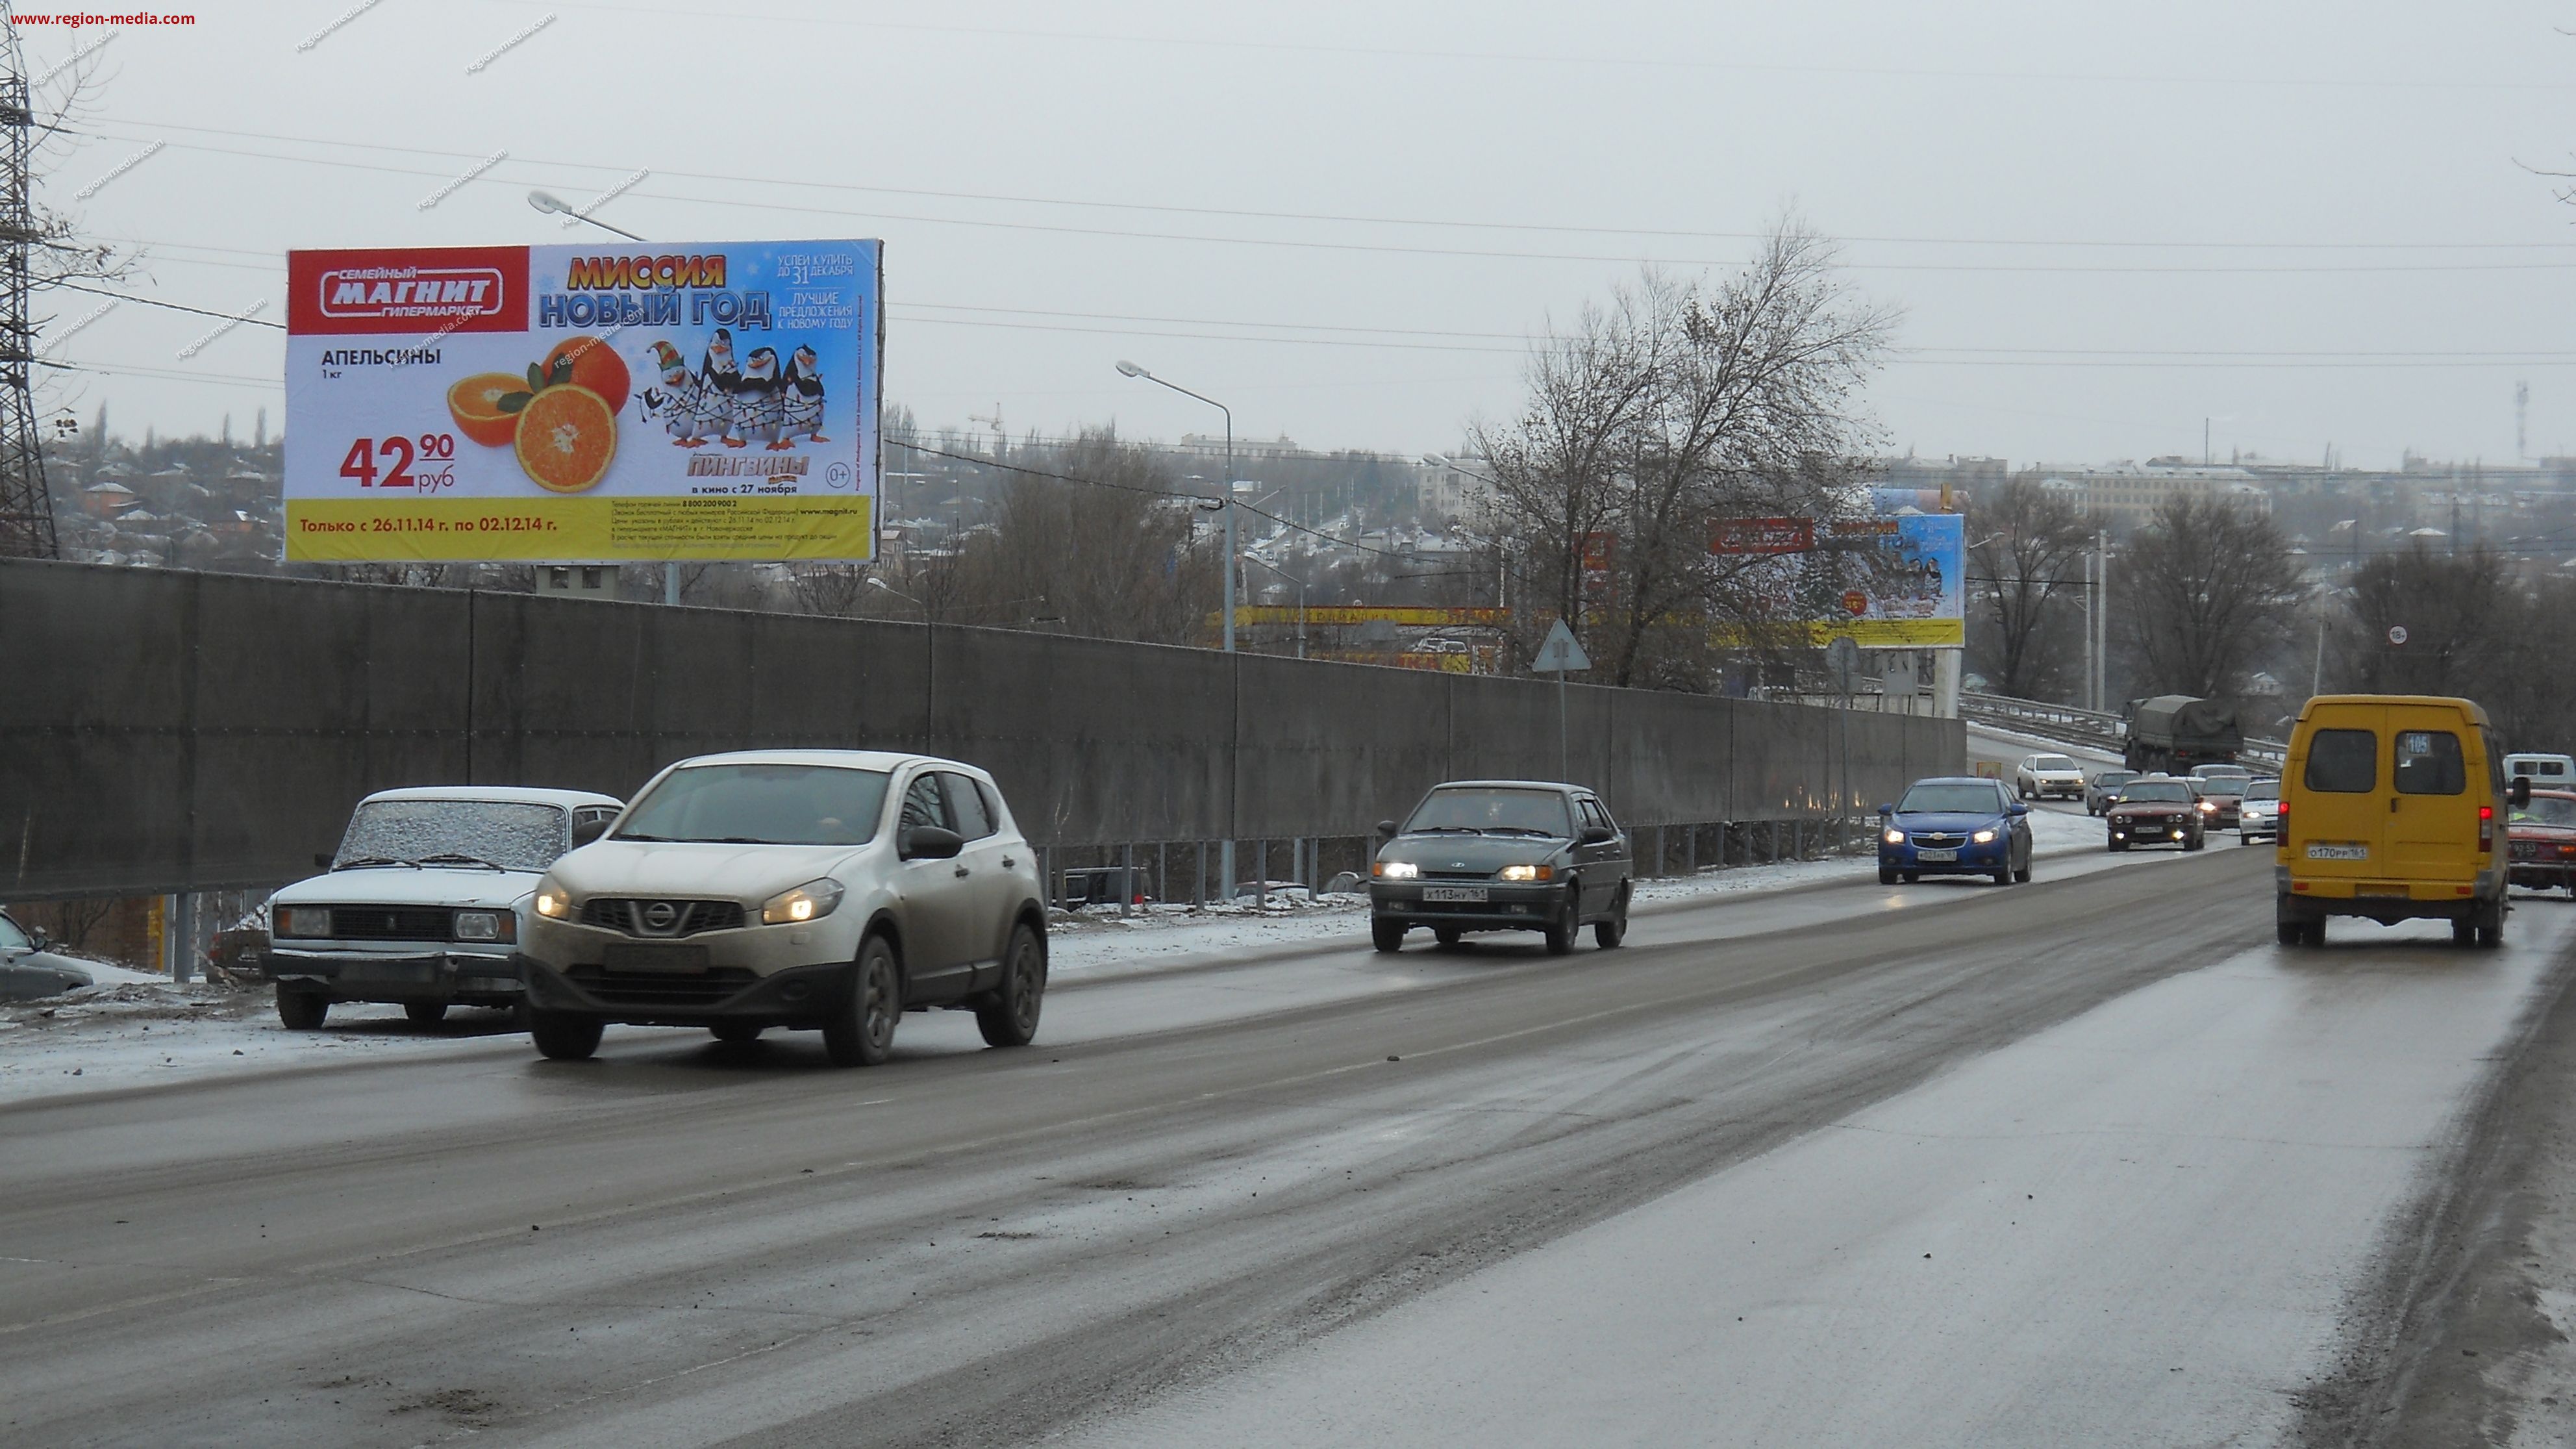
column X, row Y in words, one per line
column 137, row 1030
column 2025, row 744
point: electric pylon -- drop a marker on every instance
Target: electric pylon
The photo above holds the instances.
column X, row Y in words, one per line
column 26, row 505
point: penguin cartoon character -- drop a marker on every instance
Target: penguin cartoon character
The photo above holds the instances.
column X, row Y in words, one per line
column 721, row 377
column 757, row 405
column 804, row 393
column 678, row 402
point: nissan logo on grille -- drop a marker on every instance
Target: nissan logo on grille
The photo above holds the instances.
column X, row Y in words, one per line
column 661, row 916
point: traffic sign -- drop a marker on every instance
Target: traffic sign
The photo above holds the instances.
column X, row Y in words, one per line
column 1558, row 653
column 2396, row 633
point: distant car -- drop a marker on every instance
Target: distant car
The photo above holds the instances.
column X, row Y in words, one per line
column 804, row 889
column 1502, row 855
column 2542, row 835
column 2546, row 772
column 420, row 904
column 28, row 970
column 2099, row 790
column 2223, row 786
column 2258, row 815
column 1954, row 825
column 2159, row 810
column 2040, row 776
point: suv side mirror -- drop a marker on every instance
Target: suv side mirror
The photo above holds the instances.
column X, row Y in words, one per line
column 930, row 842
column 2518, row 794
column 591, row 829
column 1598, row 835
column 1386, row 829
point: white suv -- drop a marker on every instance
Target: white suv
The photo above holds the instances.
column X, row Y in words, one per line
column 2040, row 776
column 830, row 889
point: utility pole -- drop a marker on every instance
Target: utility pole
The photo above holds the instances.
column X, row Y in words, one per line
column 26, row 504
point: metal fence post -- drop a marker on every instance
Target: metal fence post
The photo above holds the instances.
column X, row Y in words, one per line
column 1127, row 880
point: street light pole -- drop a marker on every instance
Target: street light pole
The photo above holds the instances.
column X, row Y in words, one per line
column 1234, row 762
column 1301, row 596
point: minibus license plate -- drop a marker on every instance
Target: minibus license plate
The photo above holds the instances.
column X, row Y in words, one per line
column 1453, row 893
column 2338, row 852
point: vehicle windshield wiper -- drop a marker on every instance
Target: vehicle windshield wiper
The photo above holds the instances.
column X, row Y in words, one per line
column 1442, row 830
column 456, row 857
column 363, row 861
column 1519, row 830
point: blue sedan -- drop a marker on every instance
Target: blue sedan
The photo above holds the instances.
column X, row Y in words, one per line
column 1960, row 825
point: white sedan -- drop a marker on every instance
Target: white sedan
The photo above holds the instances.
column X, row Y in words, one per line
column 2040, row 776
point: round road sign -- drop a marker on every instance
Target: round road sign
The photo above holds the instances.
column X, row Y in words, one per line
column 2396, row 633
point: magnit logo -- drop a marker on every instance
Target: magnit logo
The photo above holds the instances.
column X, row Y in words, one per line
column 416, row 291
column 373, row 292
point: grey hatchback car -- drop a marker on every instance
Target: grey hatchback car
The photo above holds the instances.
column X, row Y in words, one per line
column 1502, row 855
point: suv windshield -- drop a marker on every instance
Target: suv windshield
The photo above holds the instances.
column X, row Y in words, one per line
column 1493, row 812
column 507, row 834
column 2263, row 790
column 2156, row 792
column 1959, row 798
column 760, row 805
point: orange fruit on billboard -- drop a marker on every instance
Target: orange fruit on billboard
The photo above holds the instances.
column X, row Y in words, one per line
column 475, row 403
column 595, row 365
column 567, row 438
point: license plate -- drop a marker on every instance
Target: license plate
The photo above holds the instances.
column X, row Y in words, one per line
column 2399, row 891
column 1921, row 854
column 1454, row 893
column 655, row 958
column 2338, row 852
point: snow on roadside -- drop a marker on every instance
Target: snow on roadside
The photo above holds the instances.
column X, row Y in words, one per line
column 2031, row 744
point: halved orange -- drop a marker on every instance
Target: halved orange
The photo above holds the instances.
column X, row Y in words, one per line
column 567, row 438
column 475, row 403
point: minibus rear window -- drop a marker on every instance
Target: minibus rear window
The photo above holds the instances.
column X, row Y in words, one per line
column 2343, row 762
column 2429, row 763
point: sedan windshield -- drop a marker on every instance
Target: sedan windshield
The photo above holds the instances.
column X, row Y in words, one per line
column 1959, row 798
column 2263, row 790
column 2056, row 764
column 2546, row 810
column 2156, row 792
column 760, row 805
column 504, row 834
column 1492, row 812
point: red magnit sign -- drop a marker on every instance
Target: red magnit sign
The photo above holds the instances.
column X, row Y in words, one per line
column 1763, row 535
column 412, row 291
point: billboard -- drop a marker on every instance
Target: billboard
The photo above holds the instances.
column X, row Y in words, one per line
column 1883, row 582
column 583, row 404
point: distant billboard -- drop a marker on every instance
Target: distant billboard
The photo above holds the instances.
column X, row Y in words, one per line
column 1883, row 582
column 584, row 404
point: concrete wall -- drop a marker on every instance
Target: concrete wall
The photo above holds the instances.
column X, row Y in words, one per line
column 168, row 731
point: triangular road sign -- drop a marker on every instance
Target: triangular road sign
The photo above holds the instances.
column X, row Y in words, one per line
column 1558, row 653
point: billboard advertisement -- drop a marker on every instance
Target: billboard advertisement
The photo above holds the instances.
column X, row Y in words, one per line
column 1883, row 582
column 584, row 404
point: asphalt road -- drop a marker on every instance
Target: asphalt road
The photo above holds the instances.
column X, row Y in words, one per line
column 1209, row 1200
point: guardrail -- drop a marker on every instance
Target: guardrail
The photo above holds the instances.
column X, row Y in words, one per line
column 2069, row 724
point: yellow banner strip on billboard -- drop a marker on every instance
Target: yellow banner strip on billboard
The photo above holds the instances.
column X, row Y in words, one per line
column 1417, row 616
column 586, row 530
column 1867, row 633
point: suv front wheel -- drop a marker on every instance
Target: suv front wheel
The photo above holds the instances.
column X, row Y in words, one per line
column 562, row 1036
column 1009, row 1017
column 860, row 1031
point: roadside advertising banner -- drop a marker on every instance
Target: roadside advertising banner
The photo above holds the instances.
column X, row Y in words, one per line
column 584, row 404
column 1883, row 582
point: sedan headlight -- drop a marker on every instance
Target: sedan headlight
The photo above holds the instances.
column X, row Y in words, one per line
column 304, row 921
column 2208, row 807
column 1894, row 837
column 1985, row 836
column 1528, row 872
column 1395, row 870
column 810, row 901
column 486, row 926
column 553, row 902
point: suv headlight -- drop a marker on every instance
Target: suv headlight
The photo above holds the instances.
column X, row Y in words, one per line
column 486, row 926
column 1395, row 870
column 1528, row 872
column 809, row 902
column 553, row 902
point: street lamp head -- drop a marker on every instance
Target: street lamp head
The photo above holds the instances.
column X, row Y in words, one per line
column 1436, row 460
column 877, row 583
column 549, row 203
column 1131, row 369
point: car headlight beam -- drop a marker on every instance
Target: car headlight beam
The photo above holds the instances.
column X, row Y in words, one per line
column 1528, row 872
column 1985, row 836
column 1894, row 837
column 809, row 902
column 1396, row 870
column 552, row 902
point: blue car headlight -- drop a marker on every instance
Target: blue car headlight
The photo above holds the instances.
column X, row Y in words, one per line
column 1985, row 836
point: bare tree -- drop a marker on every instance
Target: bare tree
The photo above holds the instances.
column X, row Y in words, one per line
column 1092, row 538
column 2209, row 588
column 2024, row 572
column 1680, row 405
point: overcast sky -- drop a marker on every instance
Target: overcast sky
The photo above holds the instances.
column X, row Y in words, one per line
column 2309, row 224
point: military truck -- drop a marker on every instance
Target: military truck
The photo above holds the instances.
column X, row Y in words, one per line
column 2174, row 732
